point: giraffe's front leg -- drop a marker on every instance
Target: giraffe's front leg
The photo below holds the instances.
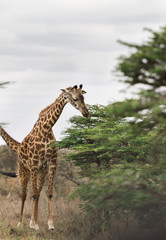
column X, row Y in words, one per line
column 52, row 171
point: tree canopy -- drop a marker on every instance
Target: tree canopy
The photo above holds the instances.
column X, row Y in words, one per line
column 147, row 64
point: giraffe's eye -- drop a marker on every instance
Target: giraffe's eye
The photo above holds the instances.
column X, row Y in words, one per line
column 75, row 99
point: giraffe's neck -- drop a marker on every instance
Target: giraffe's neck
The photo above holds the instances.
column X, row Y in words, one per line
column 50, row 114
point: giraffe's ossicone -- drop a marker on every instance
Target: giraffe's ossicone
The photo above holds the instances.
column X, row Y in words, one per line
column 36, row 157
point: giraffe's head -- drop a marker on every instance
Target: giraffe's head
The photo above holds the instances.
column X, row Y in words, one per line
column 74, row 95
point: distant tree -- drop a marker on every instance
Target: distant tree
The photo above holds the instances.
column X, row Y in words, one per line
column 2, row 84
column 8, row 159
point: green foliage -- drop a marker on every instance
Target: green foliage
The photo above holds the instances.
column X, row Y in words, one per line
column 101, row 142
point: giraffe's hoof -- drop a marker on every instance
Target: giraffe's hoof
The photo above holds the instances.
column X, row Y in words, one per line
column 50, row 225
column 19, row 224
column 33, row 225
column 51, row 228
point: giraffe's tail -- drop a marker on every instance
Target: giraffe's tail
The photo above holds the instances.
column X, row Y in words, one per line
column 13, row 144
column 13, row 175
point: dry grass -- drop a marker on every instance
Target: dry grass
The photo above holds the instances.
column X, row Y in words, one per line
column 67, row 215
column 70, row 222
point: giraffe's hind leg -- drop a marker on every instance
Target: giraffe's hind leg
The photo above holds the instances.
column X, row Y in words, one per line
column 24, row 178
column 37, row 186
column 35, row 200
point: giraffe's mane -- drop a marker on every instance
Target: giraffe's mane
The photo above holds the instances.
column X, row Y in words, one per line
column 49, row 106
column 45, row 109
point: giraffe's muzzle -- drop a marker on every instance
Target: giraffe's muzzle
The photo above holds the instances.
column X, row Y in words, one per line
column 85, row 113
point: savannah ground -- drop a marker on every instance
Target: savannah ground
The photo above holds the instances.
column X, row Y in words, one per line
column 71, row 222
column 67, row 216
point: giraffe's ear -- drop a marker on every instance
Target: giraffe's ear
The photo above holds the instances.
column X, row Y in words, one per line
column 63, row 90
column 83, row 92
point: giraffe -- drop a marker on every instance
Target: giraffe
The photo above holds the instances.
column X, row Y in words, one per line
column 36, row 157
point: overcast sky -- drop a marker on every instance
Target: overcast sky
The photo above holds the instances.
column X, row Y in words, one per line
column 46, row 45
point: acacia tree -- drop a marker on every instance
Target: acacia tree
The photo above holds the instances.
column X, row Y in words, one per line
column 128, row 139
column 145, row 67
